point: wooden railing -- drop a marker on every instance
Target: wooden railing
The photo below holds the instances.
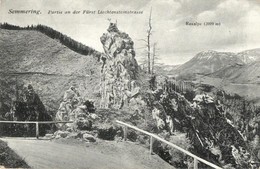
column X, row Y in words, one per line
column 36, row 123
column 153, row 136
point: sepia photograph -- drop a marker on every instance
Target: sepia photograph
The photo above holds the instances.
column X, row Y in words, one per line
column 130, row 84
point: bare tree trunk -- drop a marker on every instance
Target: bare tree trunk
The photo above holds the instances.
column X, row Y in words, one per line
column 16, row 89
column 148, row 55
column 149, row 32
column 153, row 57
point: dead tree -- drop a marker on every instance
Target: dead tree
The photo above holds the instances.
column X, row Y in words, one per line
column 149, row 33
column 154, row 57
column 148, row 47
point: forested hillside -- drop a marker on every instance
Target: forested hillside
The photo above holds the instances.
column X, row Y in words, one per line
column 64, row 39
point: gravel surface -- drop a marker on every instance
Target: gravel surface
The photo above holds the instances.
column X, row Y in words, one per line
column 68, row 153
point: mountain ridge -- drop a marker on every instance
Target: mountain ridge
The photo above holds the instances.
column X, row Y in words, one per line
column 209, row 62
column 249, row 73
column 62, row 38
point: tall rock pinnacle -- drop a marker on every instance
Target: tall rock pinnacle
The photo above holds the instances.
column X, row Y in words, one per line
column 118, row 80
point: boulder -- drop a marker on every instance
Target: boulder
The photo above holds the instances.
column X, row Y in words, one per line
column 49, row 136
column 107, row 132
column 73, row 135
column 69, row 129
column 59, row 134
column 83, row 124
column 89, row 138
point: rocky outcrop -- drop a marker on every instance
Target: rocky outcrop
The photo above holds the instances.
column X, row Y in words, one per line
column 211, row 134
column 86, row 136
column 26, row 106
column 120, row 69
column 73, row 108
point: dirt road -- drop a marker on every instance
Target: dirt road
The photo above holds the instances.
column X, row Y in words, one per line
column 100, row 155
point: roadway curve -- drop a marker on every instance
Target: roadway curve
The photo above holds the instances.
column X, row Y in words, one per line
column 76, row 154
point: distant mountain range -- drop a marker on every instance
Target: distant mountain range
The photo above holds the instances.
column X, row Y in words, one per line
column 250, row 56
column 242, row 67
column 163, row 69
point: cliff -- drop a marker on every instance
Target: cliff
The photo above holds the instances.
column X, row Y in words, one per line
column 119, row 73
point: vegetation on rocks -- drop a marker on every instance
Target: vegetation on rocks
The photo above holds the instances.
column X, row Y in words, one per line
column 218, row 127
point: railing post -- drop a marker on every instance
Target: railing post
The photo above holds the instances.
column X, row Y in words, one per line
column 195, row 163
column 153, row 137
column 151, row 144
column 125, row 133
column 37, row 130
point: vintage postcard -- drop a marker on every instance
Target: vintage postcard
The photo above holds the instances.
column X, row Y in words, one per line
column 130, row 84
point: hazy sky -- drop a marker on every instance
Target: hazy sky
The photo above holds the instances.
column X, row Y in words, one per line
column 177, row 42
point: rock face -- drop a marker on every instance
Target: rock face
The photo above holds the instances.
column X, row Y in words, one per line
column 73, row 108
column 212, row 135
column 119, row 73
column 27, row 106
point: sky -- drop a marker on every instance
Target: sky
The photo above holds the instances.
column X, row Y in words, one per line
column 176, row 41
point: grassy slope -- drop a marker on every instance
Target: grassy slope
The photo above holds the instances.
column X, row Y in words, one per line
column 48, row 65
column 241, row 74
column 9, row 158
